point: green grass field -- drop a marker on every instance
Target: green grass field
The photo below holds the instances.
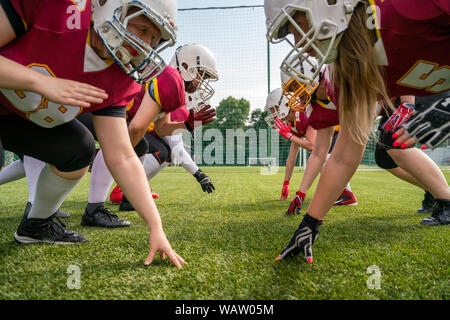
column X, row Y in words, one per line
column 230, row 240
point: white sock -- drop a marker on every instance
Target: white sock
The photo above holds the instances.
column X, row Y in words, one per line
column 12, row 172
column 101, row 180
column 33, row 168
column 348, row 187
column 158, row 170
column 51, row 191
column 151, row 166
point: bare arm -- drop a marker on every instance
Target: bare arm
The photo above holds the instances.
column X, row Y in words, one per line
column 164, row 127
column 290, row 162
column 128, row 172
column 317, row 158
column 307, row 143
column 338, row 170
column 147, row 111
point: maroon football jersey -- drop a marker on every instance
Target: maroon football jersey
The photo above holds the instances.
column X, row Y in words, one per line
column 179, row 115
column 416, row 40
column 56, row 43
column 168, row 92
column 413, row 46
column 301, row 124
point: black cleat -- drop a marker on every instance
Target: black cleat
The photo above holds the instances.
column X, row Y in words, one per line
column 440, row 215
column 427, row 203
column 125, row 205
column 49, row 230
column 103, row 218
column 62, row 214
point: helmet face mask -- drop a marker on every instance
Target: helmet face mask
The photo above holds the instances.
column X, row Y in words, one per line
column 111, row 21
column 195, row 102
column 298, row 94
column 326, row 21
column 309, row 42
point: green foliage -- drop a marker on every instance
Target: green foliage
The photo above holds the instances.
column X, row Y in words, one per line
column 257, row 120
column 232, row 113
column 230, row 239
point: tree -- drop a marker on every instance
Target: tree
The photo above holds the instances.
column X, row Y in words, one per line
column 257, row 119
column 232, row 113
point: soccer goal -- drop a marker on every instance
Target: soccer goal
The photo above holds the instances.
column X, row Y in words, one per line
column 266, row 162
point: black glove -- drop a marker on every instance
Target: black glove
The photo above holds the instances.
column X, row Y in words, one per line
column 430, row 125
column 303, row 239
column 204, row 181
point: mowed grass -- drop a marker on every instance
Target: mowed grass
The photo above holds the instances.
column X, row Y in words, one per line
column 230, row 239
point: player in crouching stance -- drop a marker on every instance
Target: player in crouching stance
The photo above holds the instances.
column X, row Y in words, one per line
column 318, row 114
column 278, row 106
column 158, row 101
column 197, row 66
column 369, row 64
column 115, row 48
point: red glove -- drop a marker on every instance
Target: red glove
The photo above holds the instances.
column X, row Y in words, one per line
column 285, row 190
column 203, row 116
column 283, row 129
column 399, row 117
column 296, row 203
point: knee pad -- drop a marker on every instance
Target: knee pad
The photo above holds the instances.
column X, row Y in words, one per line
column 162, row 154
column 81, row 155
column 383, row 159
column 141, row 148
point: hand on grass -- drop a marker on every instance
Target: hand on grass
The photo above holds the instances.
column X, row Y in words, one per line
column 160, row 244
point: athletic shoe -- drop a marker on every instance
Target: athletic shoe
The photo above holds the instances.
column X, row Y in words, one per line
column 427, row 203
column 103, row 218
column 347, row 198
column 125, row 205
column 58, row 213
column 49, row 230
column 62, row 214
column 440, row 215
column 116, row 195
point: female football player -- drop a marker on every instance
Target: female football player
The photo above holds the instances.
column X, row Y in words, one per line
column 279, row 110
column 166, row 93
column 394, row 159
column 389, row 49
column 38, row 81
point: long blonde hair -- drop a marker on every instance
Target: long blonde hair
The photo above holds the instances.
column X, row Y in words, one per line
column 359, row 79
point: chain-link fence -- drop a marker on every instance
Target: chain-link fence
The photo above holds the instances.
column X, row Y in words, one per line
column 248, row 69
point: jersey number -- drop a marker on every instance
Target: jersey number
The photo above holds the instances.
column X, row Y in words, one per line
column 428, row 76
column 38, row 109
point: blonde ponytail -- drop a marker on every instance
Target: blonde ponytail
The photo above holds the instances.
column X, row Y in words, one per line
column 359, row 79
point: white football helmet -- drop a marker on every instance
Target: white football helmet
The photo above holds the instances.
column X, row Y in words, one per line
column 327, row 20
column 200, row 64
column 277, row 105
column 110, row 22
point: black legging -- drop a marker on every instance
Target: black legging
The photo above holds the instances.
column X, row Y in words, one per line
column 69, row 147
